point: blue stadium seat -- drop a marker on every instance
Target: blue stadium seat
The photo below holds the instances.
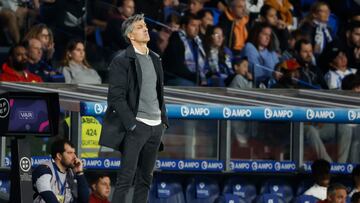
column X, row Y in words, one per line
column 230, row 198
column 269, row 198
column 166, row 192
column 278, row 187
column 202, row 190
column 303, row 186
column 306, row 199
column 241, row 188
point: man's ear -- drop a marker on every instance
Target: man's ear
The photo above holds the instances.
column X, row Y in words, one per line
column 129, row 35
column 58, row 156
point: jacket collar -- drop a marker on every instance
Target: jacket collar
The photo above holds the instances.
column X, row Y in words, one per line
column 130, row 52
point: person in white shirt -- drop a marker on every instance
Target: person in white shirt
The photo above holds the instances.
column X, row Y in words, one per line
column 320, row 170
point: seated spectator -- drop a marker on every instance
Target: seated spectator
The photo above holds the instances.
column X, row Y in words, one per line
column 351, row 82
column 184, row 57
column 355, row 198
column 62, row 179
column 100, row 189
column 195, row 6
column 352, row 45
column 310, row 75
column 39, row 66
column 289, row 53
column 243, row 77
column 8, row 21
column 45, row 35
column 337, row 65
column 76, row 69
column 218, row 57
column 284, row 7
column 113, row 33
column 336, row 193
column 262, row 57
column 233, row 21
column 290, row 74
column 16, row 65
column 320, row 170
column 159, row 40
column 280, row 33
column 315, row 27
column 207, row 19
column 356, row 178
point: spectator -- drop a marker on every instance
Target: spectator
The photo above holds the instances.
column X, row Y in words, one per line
column 113, row 34
column 39, row 66
column 351, row 82
column 195, row 6
column 284, row 7
column 336, row 193
column 233, row 21
column 100, row 188
column 243, row 77
column 310, row 75
column 355, row 198
column 218, row 57
column 356, row 178
column 184, row 58
column 352, row 45
column 258, row 50
column 320, row 170
column 159, row 40
column 16, row 65
column 315, row 27
column 76, row 69
column 289, row 53
column 207, row 19
column 280, row 33
column 45, row 35
column 61, row 179
column 290, row 74
column 337, row 65
column 8, row 21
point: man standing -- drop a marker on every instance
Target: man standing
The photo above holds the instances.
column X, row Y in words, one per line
column 136, row 114
column 61, row 179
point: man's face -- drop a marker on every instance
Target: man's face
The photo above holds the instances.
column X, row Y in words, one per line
column 35, row 50
column 306, row 53
column 355, row 37
column 195, row 6
column 102, row 188
column 139, row 33
column 192, row 28
column 239, row 8
column 68, row 157
column 19, row 59
column 128, row 8
column 338, row 197
column 322, row 14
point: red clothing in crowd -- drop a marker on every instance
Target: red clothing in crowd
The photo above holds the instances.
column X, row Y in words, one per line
column 96, row 199
column 10, row 75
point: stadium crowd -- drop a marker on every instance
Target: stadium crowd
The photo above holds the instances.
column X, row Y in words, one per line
column 286, row 44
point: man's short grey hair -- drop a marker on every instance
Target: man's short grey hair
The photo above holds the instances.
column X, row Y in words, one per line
column 128, row 25
column 331, row 190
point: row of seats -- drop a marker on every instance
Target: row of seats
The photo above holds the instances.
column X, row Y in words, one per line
column 205, row 189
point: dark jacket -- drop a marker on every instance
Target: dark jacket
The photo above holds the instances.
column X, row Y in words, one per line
column 123, row 96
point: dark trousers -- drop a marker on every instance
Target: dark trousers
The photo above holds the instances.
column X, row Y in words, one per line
column 138, row 160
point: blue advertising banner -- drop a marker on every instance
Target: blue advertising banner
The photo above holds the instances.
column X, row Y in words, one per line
column 262, row 166
column 328, row 115
column 336, row 168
